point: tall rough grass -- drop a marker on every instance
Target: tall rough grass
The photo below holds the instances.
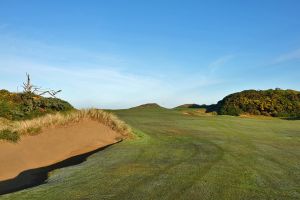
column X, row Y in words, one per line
column 5, row 123
column 34, row 126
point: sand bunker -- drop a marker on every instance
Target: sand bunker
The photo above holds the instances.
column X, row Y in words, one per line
column 53, row 145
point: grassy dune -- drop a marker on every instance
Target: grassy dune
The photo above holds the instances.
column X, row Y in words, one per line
column 12, row 130
column 178, row 156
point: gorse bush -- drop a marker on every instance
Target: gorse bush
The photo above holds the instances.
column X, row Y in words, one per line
column 18, row 106
column 276, row 103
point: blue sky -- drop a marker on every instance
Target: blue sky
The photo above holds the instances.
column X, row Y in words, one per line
column 118, row 54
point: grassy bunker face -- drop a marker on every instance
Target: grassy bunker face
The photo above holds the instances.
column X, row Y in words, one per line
column 12, row 130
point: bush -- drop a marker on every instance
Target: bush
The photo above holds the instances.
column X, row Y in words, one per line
column 18, row 106
column 9, row 135
column 277, row 103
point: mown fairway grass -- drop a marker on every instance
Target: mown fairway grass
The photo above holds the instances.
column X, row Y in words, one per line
column 179, row 156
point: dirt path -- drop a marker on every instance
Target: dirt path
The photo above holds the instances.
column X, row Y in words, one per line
column 53, row 145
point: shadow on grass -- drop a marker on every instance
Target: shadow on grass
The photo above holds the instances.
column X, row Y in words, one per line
column 292, row 118
column 38, row 176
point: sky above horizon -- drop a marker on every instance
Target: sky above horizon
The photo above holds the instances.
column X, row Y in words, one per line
column 119, row 54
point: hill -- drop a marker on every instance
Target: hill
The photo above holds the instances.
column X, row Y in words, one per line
column 207, row 108
column 149, row 105
column 17, row 106
column 193, row 105
column 276, row 103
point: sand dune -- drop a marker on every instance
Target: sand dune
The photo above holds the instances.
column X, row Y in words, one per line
column 53, row 145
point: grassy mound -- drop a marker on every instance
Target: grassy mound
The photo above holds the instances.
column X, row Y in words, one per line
column 12, row 130
column 276, row 103
column 19, row 106
column 189, row 106
column 149, row 105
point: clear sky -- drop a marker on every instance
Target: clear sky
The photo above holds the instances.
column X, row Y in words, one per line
column 118, row 54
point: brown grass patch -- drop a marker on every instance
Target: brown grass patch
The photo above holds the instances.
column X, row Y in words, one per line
column 245, row 115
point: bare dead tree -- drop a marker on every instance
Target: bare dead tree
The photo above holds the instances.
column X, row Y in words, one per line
column 29, row 88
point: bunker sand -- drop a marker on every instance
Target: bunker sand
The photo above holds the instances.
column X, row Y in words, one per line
column 53, row 145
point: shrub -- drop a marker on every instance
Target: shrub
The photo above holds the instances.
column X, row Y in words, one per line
column 19, row 106
column 9, row 135
column 277, row 103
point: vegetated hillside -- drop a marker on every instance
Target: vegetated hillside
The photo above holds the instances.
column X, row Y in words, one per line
column 208, row 108
column 192, row 105
column 149, row 105
column 276, row 103
column 17, row 106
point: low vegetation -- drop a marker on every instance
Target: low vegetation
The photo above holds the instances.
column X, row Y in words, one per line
column 275, row 103
column 197, row 109
column 11, row 130
column 9, row 135
column 149, row 105
column 27, row 105
column 193, row 105
column 30, row 102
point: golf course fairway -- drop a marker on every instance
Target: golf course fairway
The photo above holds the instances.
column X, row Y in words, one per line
column 182, row 156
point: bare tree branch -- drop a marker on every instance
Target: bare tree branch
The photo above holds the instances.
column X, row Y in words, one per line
column 50, row 92
column 29, row 88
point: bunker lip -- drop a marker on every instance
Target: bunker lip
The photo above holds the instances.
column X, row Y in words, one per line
column 34, row 177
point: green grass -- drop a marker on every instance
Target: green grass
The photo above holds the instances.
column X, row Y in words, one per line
column 178, row 156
